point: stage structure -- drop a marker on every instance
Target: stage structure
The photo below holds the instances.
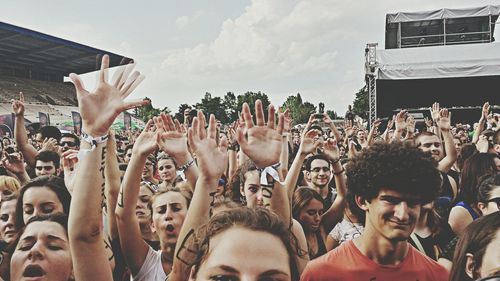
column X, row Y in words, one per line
column 448, row 55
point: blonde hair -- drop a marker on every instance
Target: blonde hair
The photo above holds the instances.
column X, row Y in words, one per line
column 10, row 183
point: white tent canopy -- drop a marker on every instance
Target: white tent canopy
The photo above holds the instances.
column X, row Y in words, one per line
column 492, row 10
column 439, row 62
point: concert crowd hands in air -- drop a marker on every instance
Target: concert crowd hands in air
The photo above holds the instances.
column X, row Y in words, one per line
column 262, row 198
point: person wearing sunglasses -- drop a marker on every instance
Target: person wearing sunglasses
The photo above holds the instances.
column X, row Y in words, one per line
column 69, row 141
column 489, row 194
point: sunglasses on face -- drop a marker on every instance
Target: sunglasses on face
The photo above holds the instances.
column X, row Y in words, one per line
column 68, row 143
column 46, row 168
column 495, row 200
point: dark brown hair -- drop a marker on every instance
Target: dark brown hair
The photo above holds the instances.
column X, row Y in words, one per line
column 474, row 240
column 258, row 219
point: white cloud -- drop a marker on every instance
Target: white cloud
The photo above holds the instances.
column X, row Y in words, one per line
column 282, row 47
column 184, row 21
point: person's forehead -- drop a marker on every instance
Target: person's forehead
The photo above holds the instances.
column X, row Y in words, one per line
column 43, row 163
column 169, row 198
column 67, row 139
column 314, row 204
column 163, row 162
column 8, row 206
column 252, row 177
column 226, row 249
column 429, row 139
column 45, row 229
column 319, row 163
column 39, row 193
column 396, row 194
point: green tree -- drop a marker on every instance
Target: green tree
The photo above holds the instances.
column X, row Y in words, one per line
column 213, row 105
column 250, row 98
column 230, row 104
column 332, row 114
column 300, row 111
column 149, row 111
column 360, row 104
column 180, row 113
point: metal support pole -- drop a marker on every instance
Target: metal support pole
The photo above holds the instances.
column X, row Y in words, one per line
column 399, row 35
column 372, row 98
column 444, row 31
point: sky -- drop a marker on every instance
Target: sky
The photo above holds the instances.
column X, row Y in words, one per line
column 189, row 47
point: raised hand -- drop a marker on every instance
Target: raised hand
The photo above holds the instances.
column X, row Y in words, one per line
column 331, row 150
column 428, row 122
column 435, row 111
column 376, row 124
column 444, row 121
column 309, row 142
column 145, row 143
column 264, row 142
column 69, row 159
column 13, row 162
column 485, row 111
column 171, row 138
column 100, row 108
column 18, row 105
column 401, row 120
column 212, row 160
column 231, row 133
column 287, row 119
column 349, row 130
column 410, row 125
column 50, row 144
column 390, row 122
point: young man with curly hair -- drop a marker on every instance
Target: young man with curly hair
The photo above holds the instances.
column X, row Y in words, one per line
column 390, row 182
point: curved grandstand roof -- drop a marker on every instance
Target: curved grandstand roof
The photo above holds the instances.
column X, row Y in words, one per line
column 28, row 49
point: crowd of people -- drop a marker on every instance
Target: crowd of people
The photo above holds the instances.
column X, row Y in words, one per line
column 259, row 199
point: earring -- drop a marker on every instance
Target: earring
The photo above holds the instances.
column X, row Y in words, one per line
column 243, row 200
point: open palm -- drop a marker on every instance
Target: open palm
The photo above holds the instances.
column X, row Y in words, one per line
column 145, row 143
column 263, row 144
column 171, row 137
column 212, row 160
column 100, row 108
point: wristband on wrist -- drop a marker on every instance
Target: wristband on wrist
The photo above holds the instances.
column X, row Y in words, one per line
column 186, row 166
column 94, row 141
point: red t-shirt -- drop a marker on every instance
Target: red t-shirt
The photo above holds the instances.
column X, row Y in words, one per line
column 348, row 263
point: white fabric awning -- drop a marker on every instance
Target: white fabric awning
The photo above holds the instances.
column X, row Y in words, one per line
column 439, row 62
column 443, row 14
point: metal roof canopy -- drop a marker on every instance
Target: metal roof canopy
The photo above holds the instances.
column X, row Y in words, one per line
column 441, row 27
column 29, row 50
column 492, row 10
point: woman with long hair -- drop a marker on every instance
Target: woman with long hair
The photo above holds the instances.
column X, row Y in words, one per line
column 476, row 254
column 466, row 210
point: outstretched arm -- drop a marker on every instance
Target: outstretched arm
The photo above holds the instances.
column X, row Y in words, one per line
column 373, row 130
column 307, row 146
column 263, row 147
column 134, row 248
column 98, row 110
column 212, row 161
column 336, row 211
column 173, row 142
column 444, row 124
column 20, row 134
column 482, row 122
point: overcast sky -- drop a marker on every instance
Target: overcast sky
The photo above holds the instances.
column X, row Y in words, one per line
column 189, row 47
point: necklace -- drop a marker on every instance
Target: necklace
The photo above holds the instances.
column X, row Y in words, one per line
column 353, row 225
